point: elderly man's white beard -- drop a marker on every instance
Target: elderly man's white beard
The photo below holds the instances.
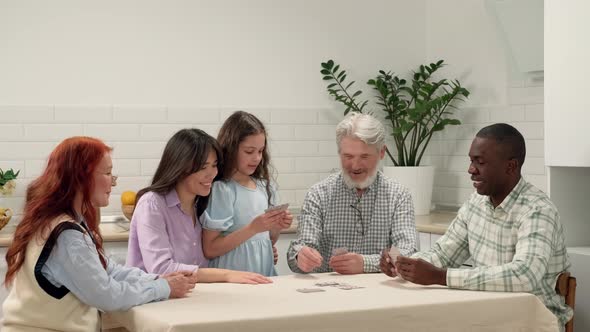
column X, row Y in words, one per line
column 350, row 183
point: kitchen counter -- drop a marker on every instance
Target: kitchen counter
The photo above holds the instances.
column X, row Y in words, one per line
column 436, row 223
column 116, row 229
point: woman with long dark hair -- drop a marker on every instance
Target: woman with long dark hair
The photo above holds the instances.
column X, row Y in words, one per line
column 165, row 234
column 57, row 268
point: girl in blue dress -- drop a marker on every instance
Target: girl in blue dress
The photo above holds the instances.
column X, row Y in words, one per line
column 238, row 234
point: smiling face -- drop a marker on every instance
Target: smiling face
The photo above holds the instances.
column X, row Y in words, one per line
column 199, row 183
column 359, row 162
column 103, row 182
column 249, row 154
column 492, row 171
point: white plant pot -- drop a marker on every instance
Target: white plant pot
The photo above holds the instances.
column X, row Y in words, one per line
column 419, row 180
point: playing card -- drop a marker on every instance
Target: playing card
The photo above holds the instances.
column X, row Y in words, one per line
column 393, row 253
column 348, row 287
column 339, row 251
column 281, row 207
column 310, row 290
column 327, row 283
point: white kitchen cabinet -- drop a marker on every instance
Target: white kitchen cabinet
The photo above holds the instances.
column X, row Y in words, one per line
column 567, row 138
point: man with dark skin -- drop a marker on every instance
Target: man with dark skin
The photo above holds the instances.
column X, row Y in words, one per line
column 510, row 229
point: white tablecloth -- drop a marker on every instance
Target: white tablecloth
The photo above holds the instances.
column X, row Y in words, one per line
column 384, row 304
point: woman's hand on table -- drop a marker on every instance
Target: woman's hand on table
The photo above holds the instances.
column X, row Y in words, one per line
column 240, row 277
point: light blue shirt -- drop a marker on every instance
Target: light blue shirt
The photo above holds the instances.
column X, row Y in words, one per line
column 74, row 263
column 231, row 208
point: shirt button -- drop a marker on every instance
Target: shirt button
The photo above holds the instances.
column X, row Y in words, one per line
column 194, row 243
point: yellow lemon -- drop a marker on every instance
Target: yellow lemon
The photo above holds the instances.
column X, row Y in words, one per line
column 128, row 198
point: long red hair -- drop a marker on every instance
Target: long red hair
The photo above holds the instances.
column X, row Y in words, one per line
column 69, row 171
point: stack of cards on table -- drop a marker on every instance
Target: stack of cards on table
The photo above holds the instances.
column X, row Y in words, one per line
column 337, row 285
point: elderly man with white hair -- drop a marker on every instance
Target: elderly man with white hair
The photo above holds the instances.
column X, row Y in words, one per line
column 348, row 218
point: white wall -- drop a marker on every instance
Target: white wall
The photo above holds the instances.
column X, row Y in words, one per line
column 134, row 72
column 465, row 34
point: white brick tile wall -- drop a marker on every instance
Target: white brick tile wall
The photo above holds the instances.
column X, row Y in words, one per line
column 126, row 167
column 315, row 132
column 301, row 141
column 113, row 132
column 83, row 114
column 52, row 132
column 11, row 132
column 27, row 113
column 193, row 115
column 507, row 115
column 26, row 150
column 297, row 180
column 159, row 132
column 140, row 114
column 294, row 116
column 263, row 114
column 287, row 196
column 525, row 95
column 138, row 149
column 524, row 110
column 33, row 167
column 316, row 164
column 148, row 166
column 330, row 115
column 283, row 164
column 280, row 132
column 293, row 148
column 327, row 148
column 534, row 112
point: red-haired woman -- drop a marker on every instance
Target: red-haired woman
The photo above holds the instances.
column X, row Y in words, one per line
column 59, row 274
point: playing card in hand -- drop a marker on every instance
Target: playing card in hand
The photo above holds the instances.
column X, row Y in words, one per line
column 393, row 253
column 339, row 251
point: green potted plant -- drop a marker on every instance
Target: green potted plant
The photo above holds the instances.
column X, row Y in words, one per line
column 7, row 183
column 414, row 110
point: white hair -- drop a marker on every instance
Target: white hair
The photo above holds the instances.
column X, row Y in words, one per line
column 362, row 126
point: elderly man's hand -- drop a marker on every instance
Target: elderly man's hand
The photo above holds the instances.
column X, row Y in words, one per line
column 385, row 264
column 350, row 263
column 420, row 271
column 308, row 259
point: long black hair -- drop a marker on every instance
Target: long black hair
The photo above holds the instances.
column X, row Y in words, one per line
column 185, row 153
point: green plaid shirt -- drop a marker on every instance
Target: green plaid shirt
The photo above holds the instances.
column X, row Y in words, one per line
column 518, row 246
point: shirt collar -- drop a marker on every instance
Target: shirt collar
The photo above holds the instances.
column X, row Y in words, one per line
column 510, row 200
column 172, row 198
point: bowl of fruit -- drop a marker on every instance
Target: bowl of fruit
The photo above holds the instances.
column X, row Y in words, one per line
column 128, row 203
column 5, row 215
